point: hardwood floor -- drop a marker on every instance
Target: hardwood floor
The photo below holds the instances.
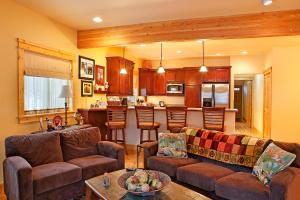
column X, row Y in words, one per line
column 130, row 161
column 243, row 129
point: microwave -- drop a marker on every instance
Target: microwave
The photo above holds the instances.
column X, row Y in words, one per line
column 175, row 88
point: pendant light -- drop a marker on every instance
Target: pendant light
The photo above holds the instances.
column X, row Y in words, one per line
column 123, row 70
column 203, row 68
column 161, row 68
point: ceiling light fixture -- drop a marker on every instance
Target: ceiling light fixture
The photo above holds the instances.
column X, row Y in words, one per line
column 123, row 70
column 200, row 41
column 218, row 54
column 203, row 68
column 244, row 52
column 97, row 19
column 161, row 69
column 142, row 45
column 267, row 2
column 179, row 51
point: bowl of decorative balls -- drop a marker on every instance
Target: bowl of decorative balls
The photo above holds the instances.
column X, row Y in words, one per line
column 144, row 182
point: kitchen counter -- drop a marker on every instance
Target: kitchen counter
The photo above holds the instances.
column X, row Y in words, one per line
column 97, row 117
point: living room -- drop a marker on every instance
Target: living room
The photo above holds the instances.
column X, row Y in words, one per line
column 238, row 39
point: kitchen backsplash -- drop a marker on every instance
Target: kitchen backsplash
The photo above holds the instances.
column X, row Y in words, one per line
column 171, row 100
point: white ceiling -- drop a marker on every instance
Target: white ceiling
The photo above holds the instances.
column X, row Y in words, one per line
column 192, row 49
column 79, row 13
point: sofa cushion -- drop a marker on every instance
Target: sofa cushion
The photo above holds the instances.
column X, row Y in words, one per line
column 293, row 148
column 202, row 175
column 54, row 175
column 172, row 145
column 241, row 185
column 36, row 149
column 95, row 165
column 168, row 165
column 273, row 160
column 80, row 143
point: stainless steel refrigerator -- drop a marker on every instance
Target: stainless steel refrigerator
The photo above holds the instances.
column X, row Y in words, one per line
column 215, row 95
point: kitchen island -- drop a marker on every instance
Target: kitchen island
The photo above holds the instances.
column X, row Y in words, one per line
column 97, row 117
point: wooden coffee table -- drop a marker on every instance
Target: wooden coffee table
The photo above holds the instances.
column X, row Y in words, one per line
column 174, row 191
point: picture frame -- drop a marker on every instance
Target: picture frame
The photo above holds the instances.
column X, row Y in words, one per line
column 99, row 75
column 87, row 88
column 86, row 68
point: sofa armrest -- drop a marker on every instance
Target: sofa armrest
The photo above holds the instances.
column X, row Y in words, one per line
column 150, row 149
column 112, row 150
column 285, row 184
column 17, row 174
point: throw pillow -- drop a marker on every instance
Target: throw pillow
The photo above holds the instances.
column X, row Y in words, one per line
column 172, row 145
column 272, row 160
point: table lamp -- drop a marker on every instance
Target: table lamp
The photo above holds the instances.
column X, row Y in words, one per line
column 66, row 93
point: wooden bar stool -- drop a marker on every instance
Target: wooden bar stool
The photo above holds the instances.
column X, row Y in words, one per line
column 213, row 118
column 116, row 120
column 145, row 121
column 176, row 118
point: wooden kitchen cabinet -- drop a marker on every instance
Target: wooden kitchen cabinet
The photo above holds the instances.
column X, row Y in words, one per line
column 222, row 74
column 180, row 75
column 159, row 81
column 192, row 96
column 193, row 76
column 217, row 74
column 170, row 75
column 146, row 80
column 119, row 84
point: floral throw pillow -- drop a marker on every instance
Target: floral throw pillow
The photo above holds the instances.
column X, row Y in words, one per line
column 272, row 160
column 172, row 145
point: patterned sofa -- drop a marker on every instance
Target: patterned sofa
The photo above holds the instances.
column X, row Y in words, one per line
column 220, row 166
column 54, row 165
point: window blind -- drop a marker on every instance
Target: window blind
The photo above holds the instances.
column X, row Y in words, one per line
column 39, row 65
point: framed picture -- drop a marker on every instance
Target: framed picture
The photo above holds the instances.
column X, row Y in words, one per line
column 86, row 88
column 86, row 68
column 99, row 75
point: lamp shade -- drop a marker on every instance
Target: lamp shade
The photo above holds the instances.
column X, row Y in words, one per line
column 203, row 69
column 66, row 92
column 123, row 71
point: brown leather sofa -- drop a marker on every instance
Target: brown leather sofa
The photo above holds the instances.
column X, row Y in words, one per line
column 54, row 165
column 225, row 181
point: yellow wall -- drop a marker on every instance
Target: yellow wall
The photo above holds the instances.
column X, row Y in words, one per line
column 17, row 21
column 286, row 94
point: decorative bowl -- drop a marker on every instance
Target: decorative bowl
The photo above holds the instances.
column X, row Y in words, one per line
column 164, row 178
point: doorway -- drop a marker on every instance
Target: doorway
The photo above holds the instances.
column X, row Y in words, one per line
column 248, row 100
column 243, row 101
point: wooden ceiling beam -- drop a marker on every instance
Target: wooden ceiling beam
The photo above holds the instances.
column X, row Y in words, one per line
column 269, row 24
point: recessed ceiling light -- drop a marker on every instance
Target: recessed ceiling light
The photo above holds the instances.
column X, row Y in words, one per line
column 218, row 54
column 97, row 19
column 244, row 52
column 179, row 51
column 267, row 2
column 142, row 45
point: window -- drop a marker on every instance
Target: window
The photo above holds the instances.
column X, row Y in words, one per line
column 41, row 93
column 42, row 74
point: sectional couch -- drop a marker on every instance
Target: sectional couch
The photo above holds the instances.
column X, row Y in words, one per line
column 221, row 180
column 55, row 165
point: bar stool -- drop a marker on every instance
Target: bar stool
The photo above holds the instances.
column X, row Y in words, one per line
column 176, row 118
column 145, row 121
column 116, row 120
column 213, row 118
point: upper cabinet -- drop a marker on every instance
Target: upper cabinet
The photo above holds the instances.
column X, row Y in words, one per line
column 193, row 76
column 217, row 74
column 175, row 75
column 153, row 82
column 119, row 84
column 146, row 81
